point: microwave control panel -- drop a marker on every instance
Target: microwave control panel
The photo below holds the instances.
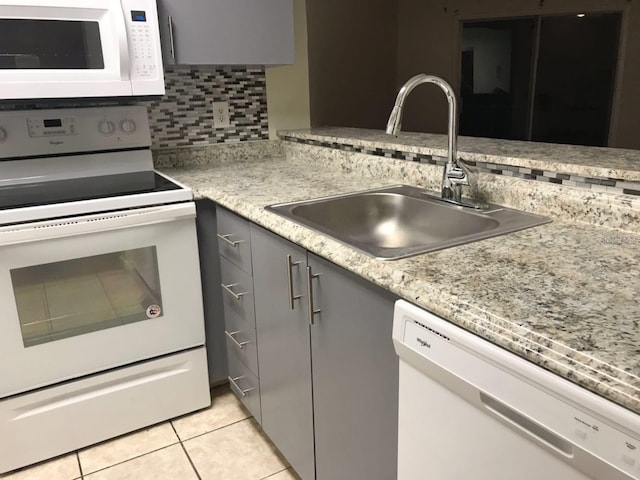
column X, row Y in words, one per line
column 143, row 44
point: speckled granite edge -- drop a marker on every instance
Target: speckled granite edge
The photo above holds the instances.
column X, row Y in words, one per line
column 215, row 153
column 585, row 370
column 620, row 212
column 595, row 167
column 541, row 308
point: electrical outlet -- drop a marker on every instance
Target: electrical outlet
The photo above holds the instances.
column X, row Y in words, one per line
column 221, row 115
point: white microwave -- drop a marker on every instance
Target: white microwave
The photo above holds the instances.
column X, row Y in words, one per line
column 79, row 48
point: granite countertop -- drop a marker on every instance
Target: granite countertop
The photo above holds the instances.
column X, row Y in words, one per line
column 563, row 295
column 579, row 160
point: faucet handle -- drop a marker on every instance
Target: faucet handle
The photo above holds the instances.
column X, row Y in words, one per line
column 467, row 167
column 459, row 175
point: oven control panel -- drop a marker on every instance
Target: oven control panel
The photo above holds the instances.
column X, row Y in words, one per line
column 26, row 133
column 47, row 127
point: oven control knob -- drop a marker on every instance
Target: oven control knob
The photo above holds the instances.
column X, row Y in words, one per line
column 106, row 127
column 128, row 126
column 3, row 135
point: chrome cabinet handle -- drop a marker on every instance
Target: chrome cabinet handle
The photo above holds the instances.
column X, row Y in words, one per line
column 312, row 312
column 290, row 266
column 241, row 392
column 171, row 42
column 237, row 296
column 233, row 243
column 238, row 344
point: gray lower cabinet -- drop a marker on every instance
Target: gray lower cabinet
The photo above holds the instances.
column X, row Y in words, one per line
column 328, row 380
column 212, row 296
column 284, row 355
column 237, row 300
column 355, row 376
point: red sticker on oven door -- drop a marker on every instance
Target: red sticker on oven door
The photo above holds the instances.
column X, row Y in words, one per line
column 153, row 311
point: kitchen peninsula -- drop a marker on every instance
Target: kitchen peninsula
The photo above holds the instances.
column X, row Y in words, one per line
column 563, row 295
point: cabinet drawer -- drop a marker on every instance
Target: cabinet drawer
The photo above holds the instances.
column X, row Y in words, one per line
column 239, row 318
column 244, row 384
column 234, row 239
column 237, row 295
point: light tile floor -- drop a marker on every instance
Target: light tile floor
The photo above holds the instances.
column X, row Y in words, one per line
column 222, row 442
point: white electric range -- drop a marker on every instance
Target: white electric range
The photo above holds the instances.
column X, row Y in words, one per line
column 102, row 330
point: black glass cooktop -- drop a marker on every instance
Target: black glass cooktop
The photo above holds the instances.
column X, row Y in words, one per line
column 78, row 189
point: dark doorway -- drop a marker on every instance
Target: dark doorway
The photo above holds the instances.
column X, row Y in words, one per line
column 575, row 80
column 545, row 79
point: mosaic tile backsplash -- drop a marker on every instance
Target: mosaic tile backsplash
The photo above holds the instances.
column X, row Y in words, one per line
column 610, row 185
column 184, row 116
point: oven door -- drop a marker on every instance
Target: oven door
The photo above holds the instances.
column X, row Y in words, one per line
column 78, row 48
column 81, row 295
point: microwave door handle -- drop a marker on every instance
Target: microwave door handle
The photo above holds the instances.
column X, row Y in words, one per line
column 123, row 44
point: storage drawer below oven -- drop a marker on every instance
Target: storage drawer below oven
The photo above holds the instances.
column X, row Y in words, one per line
column 53, row 421
column 245, row 385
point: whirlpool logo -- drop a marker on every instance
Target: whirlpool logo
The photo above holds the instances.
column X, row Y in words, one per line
column 56, row 142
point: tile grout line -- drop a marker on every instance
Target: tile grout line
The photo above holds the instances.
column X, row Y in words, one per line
column 184, row 449
column 275, row 473
column 79, row 465
column 214, row 430
column 132, row 458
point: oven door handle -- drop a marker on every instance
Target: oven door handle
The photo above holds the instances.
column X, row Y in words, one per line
column 103, row 222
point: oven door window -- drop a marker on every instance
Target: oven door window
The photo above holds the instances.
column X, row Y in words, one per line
column 75, row 297
column 50, row 44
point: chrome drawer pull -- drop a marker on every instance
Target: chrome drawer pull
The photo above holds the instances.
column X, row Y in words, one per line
column 237, row 296
column 292, row 297
column 238, row 344
column 233, row 243
column 312, row 312
column 241, row 392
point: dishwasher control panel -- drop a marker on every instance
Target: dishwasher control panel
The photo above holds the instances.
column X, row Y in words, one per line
column 550, row 410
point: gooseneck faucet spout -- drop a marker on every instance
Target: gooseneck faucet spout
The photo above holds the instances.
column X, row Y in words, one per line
column 455, row 175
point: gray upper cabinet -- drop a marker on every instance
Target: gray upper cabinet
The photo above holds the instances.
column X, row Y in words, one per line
column 226, row 32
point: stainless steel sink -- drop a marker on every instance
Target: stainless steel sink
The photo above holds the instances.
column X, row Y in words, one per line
column 402, row 221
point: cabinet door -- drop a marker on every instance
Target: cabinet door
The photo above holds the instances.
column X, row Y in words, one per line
column 284, row 356
column 355, row 376
column 226, row 32
column 211, row 294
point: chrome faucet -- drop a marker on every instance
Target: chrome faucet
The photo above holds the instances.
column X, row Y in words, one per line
column 456, row 173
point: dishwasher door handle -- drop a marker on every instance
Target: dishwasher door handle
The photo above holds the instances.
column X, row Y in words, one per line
column 526, row 425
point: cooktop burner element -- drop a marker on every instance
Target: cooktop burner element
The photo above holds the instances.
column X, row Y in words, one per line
column 80, row 189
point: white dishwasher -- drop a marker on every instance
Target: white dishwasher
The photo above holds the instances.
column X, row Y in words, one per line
column 471, row 410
